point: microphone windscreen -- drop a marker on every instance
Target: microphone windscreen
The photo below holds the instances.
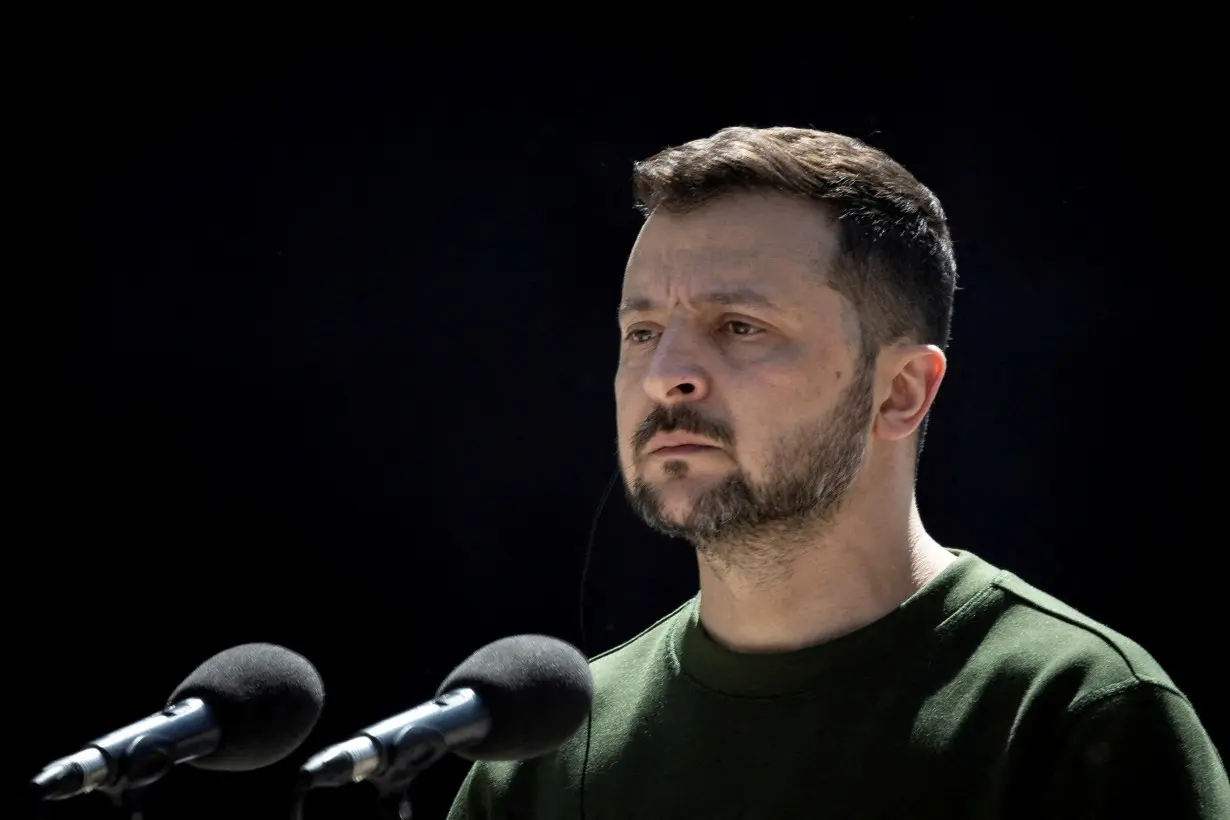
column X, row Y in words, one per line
column 265, row 699
column 537, row 690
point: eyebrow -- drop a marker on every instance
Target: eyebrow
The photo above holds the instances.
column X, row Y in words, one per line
column 736, row 297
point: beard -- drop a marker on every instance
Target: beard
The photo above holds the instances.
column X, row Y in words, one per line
column 742, row 522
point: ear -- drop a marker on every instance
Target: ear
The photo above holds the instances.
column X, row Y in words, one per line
column 911, row 376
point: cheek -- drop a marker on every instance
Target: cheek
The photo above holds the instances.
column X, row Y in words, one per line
column 627, row 376
column 767, row 414
column 630, row 411
column 752, row 440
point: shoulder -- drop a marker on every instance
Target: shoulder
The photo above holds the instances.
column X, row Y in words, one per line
column 622, row 675
column 1023, row 653
column 1039, row 630
column 640, row 656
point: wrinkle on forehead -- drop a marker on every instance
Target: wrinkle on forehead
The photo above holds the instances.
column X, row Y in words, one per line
column 775, row 245
column 708, row 257
column 750, row 237
column 679, row 272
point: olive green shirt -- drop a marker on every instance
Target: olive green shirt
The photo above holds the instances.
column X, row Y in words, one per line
column 979, row 697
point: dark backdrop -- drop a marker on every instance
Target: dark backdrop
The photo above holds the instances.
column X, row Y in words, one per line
column 334, row 370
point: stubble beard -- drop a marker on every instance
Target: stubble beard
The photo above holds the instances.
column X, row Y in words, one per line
column 751, row 525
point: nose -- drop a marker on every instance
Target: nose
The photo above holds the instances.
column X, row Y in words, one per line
column 675, row 374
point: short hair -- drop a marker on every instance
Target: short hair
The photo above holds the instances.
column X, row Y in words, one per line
column 895, row 262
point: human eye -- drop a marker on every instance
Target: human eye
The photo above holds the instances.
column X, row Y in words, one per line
column 737, row 327
column 639, row 335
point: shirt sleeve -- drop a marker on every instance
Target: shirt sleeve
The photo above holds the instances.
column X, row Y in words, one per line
column 1138, row 751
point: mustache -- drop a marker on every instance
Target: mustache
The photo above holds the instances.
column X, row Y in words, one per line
column 681, row 417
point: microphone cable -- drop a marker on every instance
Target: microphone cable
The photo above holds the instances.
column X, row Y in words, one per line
column 589, row 551
column 300, row 794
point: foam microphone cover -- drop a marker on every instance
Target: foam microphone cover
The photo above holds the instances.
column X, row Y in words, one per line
column 265, row 698
column 537, row 689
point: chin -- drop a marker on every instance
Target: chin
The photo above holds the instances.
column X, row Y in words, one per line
column 678, row 496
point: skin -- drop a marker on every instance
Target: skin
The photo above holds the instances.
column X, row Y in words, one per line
column 803, row 514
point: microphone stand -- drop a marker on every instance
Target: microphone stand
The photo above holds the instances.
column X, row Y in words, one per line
column 130, row 801
column 399, row 809
column 393, row 784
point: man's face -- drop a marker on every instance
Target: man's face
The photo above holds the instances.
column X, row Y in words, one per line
column 735, row 350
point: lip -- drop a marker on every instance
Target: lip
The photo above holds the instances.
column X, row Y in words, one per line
column 678, row 444
column 683, row 450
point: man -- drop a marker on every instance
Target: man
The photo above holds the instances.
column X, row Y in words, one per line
column 785, row 313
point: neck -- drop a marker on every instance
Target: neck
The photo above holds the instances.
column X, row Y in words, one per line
column 859, row 570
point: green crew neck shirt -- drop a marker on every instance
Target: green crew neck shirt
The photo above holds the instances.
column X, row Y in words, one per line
column 978, row 697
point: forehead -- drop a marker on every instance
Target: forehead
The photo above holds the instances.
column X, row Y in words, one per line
column 776, row 244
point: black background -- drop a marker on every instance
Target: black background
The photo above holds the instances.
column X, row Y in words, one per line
column 334, row 370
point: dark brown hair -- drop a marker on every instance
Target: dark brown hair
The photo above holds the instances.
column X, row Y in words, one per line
column 896, row 263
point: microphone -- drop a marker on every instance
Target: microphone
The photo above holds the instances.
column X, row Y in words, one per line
column 245, row 708
column 515, row 699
